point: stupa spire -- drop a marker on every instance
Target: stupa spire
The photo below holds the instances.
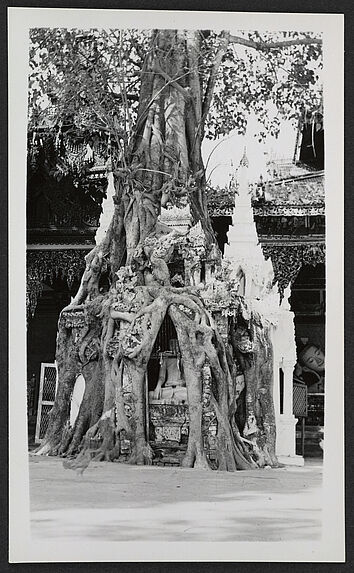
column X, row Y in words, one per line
column 244, row 159
column 243, row 249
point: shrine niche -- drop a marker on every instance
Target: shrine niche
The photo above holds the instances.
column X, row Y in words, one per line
column 167, row 403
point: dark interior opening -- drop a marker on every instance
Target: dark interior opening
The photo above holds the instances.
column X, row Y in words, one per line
column 312, row 145
column 221, row 227
column 281, row 390
column 166, row 333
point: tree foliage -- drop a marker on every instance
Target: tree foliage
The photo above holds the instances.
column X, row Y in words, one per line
column 88, row 79
column 91, row 79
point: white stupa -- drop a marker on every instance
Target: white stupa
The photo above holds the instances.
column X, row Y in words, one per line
column 254, row 276
column 107, row 206
column 243, row 248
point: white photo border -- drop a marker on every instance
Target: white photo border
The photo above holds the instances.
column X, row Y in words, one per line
column 331, row 547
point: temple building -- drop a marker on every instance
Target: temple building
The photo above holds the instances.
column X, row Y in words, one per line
column 277, row 228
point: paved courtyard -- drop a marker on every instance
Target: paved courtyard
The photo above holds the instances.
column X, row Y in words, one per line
column 116, row 502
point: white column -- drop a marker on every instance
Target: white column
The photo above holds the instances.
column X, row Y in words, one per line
column 286, row 436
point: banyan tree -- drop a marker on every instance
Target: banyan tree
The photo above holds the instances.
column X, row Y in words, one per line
column 157, row 267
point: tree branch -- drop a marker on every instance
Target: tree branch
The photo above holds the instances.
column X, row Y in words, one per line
column 213, row 74
column 274, row 45
column 174, row 83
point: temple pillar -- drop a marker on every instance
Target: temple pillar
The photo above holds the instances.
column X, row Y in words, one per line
column 286, row 422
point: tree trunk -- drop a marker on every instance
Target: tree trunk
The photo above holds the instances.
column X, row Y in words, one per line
column 118, row 328
column 193, row 360
column 260, row 415
column 90, row 407
column 67, row 366
column 141, row 452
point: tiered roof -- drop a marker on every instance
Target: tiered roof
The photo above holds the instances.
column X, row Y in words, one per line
column 297, row 192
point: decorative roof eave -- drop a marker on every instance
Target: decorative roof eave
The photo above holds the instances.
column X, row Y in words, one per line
column 271, row 210
column 220, row 211
column 99, row 172
column 306, row 176
column 287, row 260
column 46, row 264
column 54, row 246
column 293, row 196
column 288, row 241
column 287, row 210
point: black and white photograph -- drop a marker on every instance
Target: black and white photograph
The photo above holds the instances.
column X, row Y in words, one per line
column 176, row 320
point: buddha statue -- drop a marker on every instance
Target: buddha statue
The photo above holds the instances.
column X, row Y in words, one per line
column 310, row 367
column 171, row 385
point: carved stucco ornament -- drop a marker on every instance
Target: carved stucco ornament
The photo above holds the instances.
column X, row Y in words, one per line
column 287, row 261
column 46, row 265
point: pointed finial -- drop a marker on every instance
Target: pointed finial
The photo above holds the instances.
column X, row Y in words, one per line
column 244, row 161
